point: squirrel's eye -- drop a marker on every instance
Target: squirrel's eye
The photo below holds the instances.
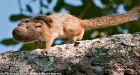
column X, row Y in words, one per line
column 26, row 21
column 37, row 26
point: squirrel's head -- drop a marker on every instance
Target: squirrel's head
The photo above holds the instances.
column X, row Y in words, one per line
column 29, row 29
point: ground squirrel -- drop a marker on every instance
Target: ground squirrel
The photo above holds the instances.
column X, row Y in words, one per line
column 48, row 28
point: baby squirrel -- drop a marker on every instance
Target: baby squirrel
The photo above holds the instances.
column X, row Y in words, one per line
column 48, row 28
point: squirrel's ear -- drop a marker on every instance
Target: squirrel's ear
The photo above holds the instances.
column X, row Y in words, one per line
column 46, row 19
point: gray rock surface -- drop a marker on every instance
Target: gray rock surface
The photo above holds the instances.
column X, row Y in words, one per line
column 113, row 55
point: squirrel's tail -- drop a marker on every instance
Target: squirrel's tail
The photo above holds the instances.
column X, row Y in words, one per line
column 112, row 20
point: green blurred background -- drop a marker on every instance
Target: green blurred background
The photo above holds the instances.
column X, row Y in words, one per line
column 83, row 9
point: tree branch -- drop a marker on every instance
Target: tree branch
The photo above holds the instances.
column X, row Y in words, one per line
column 114, row 55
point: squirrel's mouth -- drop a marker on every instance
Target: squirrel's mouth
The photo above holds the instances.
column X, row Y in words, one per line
column 23, row 35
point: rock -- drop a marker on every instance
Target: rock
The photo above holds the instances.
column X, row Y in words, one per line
column 113, row 55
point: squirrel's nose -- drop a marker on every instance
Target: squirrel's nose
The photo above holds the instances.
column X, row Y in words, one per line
column 21, row 34
column 15, row 33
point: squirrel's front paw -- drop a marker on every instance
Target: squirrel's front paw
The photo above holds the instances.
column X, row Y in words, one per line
column 44, row 51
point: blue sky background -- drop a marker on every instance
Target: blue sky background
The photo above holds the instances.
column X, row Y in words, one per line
column 7, row 7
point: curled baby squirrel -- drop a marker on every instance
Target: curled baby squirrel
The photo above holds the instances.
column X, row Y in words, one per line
column 48, row 28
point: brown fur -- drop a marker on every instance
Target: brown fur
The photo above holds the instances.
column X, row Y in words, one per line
column 48, row 28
